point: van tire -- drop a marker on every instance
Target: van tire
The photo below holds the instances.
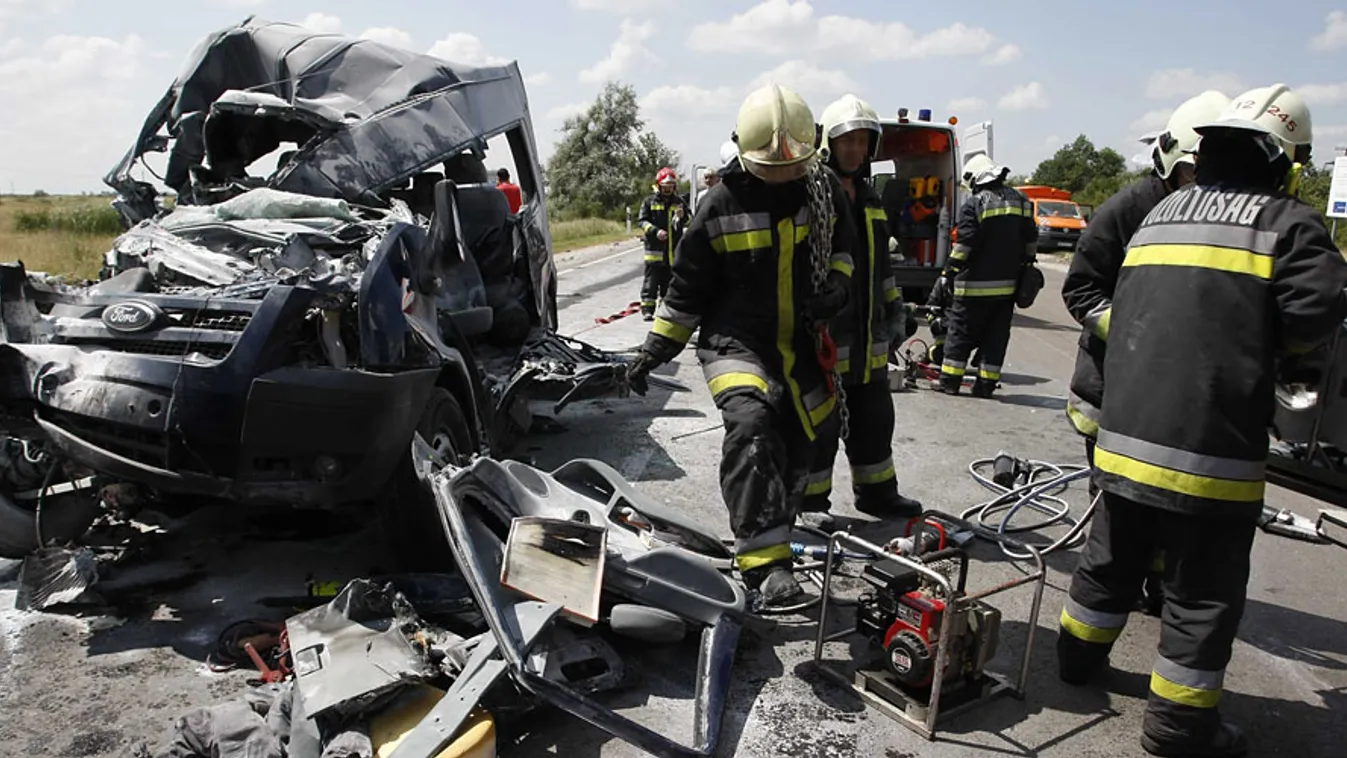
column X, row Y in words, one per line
column 408, row 513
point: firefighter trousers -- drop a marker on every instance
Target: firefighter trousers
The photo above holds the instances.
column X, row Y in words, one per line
column 1153, row 587
column 1205, row 580
column 764, row 460
column 655, row 285
column 982, row 324
column 869, row 448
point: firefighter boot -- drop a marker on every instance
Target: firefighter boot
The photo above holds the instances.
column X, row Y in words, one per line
column 774, row 583
column 1226, row 742
column 983, row 388
column 950, row 384
column 888, row 505
column 1078, row 661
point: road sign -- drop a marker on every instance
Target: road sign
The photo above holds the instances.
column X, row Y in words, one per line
column 1337, row 191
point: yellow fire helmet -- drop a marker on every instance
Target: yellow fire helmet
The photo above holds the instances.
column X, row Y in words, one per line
column 847, row 114
column 775, row 135
column 1276, row 113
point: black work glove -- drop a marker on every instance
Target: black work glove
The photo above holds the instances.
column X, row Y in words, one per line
column 829, row 301
column 639, row 369
column 943, row 291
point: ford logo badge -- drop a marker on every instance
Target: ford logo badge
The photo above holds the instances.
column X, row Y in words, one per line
column 131, row 316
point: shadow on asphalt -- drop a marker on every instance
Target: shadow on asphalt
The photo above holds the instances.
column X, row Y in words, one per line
column 1029, row 322
column 1033, row 401
column 1295, row 635
column 1274, row 727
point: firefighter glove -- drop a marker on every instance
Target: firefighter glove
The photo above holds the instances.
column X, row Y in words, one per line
column 943, row 290
column 639, row 369
column 830, row 300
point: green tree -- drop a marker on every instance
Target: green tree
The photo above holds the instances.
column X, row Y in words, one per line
column 1075, row 165
column 606, row 160
column 1102, row 188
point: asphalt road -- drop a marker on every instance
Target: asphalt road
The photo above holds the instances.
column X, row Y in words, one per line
column 98, row 685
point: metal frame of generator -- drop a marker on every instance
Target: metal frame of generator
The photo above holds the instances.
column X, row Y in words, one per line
column 877, row 686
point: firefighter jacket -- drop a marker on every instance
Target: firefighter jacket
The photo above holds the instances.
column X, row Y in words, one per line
column 1217, row 285
column 873, row 316
column 997, row 237
column 667, row 212
column 1088, row 291
column 742, row 274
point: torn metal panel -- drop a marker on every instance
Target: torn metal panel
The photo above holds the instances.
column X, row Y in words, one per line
column 356, row 648
column 55, row 575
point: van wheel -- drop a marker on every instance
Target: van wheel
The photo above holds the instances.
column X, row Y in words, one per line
column 407, row 513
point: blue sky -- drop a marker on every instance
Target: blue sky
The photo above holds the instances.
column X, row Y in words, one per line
column 78, row 76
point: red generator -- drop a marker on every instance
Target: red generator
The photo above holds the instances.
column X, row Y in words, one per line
column 903, row 616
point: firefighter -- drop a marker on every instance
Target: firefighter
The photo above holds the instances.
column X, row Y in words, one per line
column 748, row 275
column 661, row 220
column 1094, row 272
column 997, row 239
column 865, row 331
column 1223, row 280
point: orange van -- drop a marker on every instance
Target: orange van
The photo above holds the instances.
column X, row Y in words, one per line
column 1060, row 220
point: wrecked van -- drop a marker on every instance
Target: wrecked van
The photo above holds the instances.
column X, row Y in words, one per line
column 279, row 338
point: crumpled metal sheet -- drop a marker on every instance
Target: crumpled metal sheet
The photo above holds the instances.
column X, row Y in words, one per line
column 356, row 648
column 382, row 113
column 54, row 575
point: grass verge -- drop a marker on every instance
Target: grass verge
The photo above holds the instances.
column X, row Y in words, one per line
column 58, row 235
column 586, row 232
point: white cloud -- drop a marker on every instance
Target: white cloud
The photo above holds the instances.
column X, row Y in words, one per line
column 629, row 48
column 1323, row 94
column 616, row 6
column 1052, row 142
column 1152, row 121
column 11, row 47
column 323, row 23
column 778, row 27
column 563, row 112
column 806, row 79
column 389, row 35
column 685, row 100
column 964, row 104
column 464, row 48
column 538, row 80
column 1334, row 34
column 1180, row 83
column 1331, row 130
column 1007, row 53
column 1024, row 97
column 48, row 142
column 67, row 62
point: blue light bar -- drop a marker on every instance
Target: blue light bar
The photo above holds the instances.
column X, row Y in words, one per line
column 924, row 114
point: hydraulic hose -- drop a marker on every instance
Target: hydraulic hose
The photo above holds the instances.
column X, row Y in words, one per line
column 1036, row 485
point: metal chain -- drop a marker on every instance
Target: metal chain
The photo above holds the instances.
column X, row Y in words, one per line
column 821, row 219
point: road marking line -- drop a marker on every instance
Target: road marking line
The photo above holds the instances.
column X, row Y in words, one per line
column 618, row 254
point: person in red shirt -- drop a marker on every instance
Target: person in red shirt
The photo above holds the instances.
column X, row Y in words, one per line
column 512, row 193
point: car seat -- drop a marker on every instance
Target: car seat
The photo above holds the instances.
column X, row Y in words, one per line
column 463, row 296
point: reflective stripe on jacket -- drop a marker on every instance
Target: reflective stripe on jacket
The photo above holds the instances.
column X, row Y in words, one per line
column 869, row 323
column 742, row 273
column 1216, row 284
column 996, row 237
column 658, row 212
column 1088, row 291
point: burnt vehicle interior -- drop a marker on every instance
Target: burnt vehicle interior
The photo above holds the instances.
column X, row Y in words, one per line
column 337, row 272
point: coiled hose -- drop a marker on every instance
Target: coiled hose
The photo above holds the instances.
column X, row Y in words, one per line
column 1039, row 492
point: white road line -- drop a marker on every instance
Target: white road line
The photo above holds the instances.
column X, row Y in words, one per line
column 618, row 254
